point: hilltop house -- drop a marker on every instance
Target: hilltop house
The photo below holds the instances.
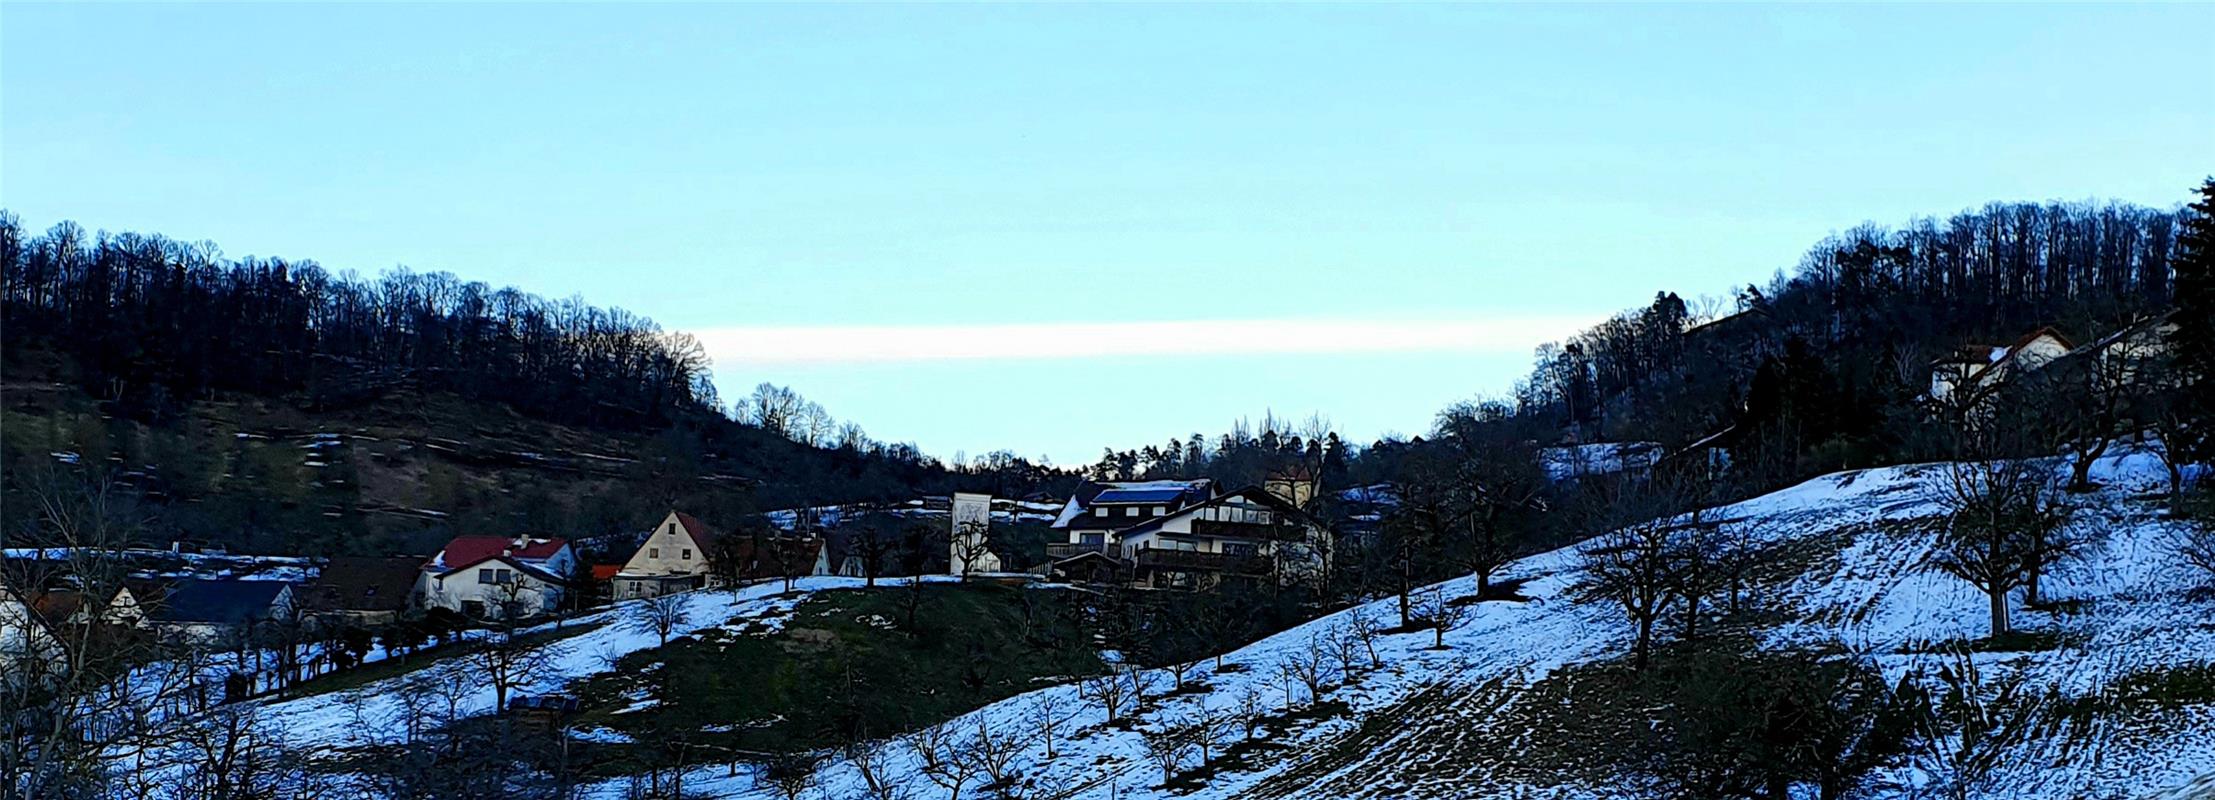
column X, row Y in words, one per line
column 365, row 591
column 1964, row 377
column 674, row 557
column 490, row 577
column 1099, row 509
column 1184, row 536
column 225, row 612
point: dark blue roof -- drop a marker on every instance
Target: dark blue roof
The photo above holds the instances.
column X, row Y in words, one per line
column 228, row 602
column 1138, row 496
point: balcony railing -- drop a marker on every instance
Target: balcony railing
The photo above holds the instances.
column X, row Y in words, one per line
column 1059, row 550
column 1195, row 561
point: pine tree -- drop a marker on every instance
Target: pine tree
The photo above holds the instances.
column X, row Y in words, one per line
column 2194, row 339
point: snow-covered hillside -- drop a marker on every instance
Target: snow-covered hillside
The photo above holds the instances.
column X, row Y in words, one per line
column 1426, row 724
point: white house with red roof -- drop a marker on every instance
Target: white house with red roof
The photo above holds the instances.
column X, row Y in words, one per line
column 675, row 557
column 486, row 577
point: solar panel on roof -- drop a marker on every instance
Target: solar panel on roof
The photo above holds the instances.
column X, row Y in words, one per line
column 1138, row 495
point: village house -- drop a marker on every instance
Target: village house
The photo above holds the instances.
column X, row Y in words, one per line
column 492, row 577
column 226, row 613
column 1184, row 536
column 362, row 591
column 675, row 557
column 1964, row 377
column 1099, row 509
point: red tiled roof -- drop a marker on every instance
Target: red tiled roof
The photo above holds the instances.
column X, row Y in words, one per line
column 464, row 550
column 605, row 572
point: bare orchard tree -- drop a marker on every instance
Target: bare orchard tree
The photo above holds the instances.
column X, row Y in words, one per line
column 1630, row 563
column 73, row 726
column 1443, row 614
column 1310, row 665
column 1998, row 534
column 878, row 780
column 660, row 615
column 998, row 753
column 1141, row 680
column 2088, row 400
column 1110, row 691
column 1045, row 716
column 2193, row 541
column 1167, row 745
column 506, row 658
column 972, row 544
column 790, row 775
column 1363, row 625
column 944, row 757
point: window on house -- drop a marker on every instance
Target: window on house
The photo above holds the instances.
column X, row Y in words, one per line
column 506, row 576
column 1131, row 511
column 687, row 556
column 653, row 552
column 484, row 576
column 1158, row 511
column 1238, row 550
column 1100, row 512
column 1092, row 539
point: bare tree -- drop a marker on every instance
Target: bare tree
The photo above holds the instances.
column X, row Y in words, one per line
column 1631, row 566
column 790, row 775
column 1045, row 716
column 1443, row 614
column 1997, row 536
column 945, row 757
column 877, row 779
column 661, row 615
column 1310, row 665
column 1363, row 626
column 996, row 753
column 1142, row 681
column 71, row 721
column 2194, row 544
column 505, row 657
column 1109, row 690
column 1167, row 745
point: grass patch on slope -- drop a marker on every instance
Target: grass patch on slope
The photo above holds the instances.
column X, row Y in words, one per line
column 846, row 663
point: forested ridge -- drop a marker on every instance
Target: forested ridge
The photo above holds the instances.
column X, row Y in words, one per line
column 1822, row 368
column 194, row 377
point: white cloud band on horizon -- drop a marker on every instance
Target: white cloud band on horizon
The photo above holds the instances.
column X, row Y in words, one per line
column 828, row 344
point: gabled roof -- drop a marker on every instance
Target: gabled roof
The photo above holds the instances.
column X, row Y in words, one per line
column 536, row 569
column 1170, row 493
column 702, row 538
column 1253, row 494
column 464, row 550
column 606, row 572
column 225, row 602
column 2005, row 355
column 362, row 584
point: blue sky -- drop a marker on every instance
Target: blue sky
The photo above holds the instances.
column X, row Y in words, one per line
column 1053, row 228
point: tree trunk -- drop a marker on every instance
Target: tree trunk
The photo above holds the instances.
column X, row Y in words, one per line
column 1642, row 649
column 1999, row 612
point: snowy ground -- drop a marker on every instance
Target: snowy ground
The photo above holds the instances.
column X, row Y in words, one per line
column 1409, row 724
column 1421, row 725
